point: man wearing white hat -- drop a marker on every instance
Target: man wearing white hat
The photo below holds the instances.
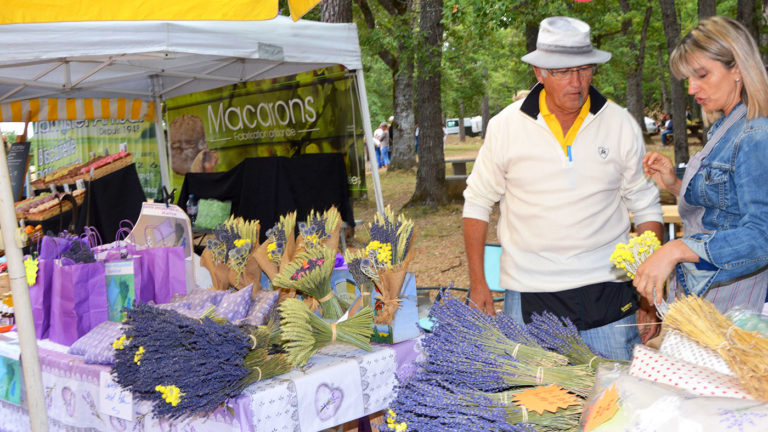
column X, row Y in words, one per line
column 566, row 166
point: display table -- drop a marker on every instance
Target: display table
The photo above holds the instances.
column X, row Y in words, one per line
column 269, row 187
column 340, row 384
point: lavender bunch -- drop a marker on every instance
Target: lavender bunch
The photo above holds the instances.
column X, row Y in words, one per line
column 227, row 235
column 319, row 227
column 425, row 403
column 458, row 323
column 475, row 365
column 186, row 366
column 362, row 272
column 560, row 335
column 396, row 232
column 79, row 251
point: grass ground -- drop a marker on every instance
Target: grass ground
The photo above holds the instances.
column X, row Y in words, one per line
column 439, row 246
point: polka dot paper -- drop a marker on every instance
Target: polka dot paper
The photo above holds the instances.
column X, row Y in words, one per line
column 650, row 364
column 679, row 347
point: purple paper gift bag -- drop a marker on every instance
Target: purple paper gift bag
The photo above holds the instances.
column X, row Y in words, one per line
column 164, row 269
column 78, row 300
column 40, row 297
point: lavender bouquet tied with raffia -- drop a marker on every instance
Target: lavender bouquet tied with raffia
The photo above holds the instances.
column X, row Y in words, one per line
column 186, row 366
column 560, row 335
column 425, row 403
column 466, row 325
column 468, row 348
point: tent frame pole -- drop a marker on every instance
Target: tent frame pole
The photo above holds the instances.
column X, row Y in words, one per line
column 25, row 325
column 361, row 93
column 160, row 134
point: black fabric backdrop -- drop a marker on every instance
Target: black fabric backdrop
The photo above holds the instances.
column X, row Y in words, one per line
column 112, row 198
column 266, row 188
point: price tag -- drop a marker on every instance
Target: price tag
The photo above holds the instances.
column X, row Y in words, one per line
column 602, row 410
column 91, row 173
column 80, row 184
column 545, row 398
column 66, row 188
column 124, row 147
column 53, row 188
column 113, row 400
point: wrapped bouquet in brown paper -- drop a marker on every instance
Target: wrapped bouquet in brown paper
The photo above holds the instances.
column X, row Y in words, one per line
column 310, row 273
column 278, row 250
column 230, row 258
column 389, row 250
column 320, row 230
column 364, row 273
column 214, row 259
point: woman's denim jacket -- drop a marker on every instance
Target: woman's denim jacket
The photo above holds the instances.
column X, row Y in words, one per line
column 732, row 186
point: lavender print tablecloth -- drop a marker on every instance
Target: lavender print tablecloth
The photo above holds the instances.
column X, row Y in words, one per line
column 339, row 384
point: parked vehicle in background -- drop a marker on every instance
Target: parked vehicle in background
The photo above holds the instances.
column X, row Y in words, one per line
column 473, row 126
column 651, row 126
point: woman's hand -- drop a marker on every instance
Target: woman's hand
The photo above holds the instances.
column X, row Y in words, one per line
column 655, row 270
column 662, row 171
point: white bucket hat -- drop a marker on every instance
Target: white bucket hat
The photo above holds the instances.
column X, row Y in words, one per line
column 563, row 42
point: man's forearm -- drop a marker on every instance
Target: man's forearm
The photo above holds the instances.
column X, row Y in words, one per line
column 475, row 231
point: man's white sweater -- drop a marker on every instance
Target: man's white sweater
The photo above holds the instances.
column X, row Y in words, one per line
column 560, row 219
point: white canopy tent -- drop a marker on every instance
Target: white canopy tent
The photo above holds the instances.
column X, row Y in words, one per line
column 125, row 69
column 149, row 61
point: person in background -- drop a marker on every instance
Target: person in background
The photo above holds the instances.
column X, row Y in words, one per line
column 416, row 139
column 381, row 142
column 566, row 165
column 391, row 129
column 666, row 128
column 721, row 198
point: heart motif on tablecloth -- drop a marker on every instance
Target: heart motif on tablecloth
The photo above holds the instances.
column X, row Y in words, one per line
column 327, row 401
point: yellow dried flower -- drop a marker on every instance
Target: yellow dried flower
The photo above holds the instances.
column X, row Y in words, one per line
column 139, row 353
column 120, row 343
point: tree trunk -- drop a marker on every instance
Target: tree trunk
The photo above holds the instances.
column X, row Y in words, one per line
column 635, row 102
column 336, row 11
column 677, row 89
column 666, row 102
column 430, row 176
column 531, row 36
column 403, row 153
column 746, row 14
column 707, row 8
column 462, row 131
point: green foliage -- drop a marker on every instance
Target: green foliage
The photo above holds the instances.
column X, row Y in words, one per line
column 484, row 40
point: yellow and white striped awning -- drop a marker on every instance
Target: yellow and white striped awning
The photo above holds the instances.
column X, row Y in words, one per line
column 35, row 110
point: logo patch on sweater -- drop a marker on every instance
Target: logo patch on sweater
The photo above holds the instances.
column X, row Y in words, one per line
column 602, row 151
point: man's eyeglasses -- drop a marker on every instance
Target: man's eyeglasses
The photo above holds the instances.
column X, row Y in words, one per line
column 566, row 74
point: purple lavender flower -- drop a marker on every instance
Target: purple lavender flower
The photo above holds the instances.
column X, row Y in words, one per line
column 560, row 335
column 203, row 358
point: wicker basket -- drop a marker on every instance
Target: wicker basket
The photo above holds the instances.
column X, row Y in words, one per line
column 98, row 172
column 55, row 210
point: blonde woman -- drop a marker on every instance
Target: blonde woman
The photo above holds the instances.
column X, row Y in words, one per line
column 722, row 199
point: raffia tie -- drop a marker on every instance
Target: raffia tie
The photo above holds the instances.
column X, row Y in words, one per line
column 514, row 352
column 540, row 375
column 333, row 332
column 326, row 298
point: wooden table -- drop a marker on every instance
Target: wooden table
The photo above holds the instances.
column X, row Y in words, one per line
column 459, row 165
column 670, row 216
